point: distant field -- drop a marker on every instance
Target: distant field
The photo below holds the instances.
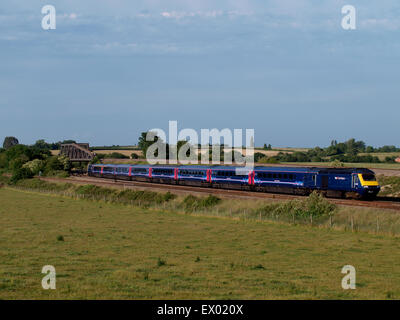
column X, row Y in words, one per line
column 124, row 152
column 114, row 251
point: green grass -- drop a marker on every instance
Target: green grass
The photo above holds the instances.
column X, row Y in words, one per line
column 118, row 251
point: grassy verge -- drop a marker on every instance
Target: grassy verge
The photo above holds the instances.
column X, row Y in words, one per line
column 313, row 211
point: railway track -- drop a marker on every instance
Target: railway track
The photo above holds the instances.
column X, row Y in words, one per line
column 381, row 202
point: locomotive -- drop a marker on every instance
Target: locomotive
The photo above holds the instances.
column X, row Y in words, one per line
column 355, row 183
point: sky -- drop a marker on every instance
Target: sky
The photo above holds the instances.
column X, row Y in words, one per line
column 285, row 68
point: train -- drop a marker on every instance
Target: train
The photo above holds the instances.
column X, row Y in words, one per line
column 352, row 183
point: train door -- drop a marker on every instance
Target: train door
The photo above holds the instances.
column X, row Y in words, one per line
column 324, row 182
column 355, row 181
column 314, row 179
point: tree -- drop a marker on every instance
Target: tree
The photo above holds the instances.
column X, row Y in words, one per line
column 10, row 142
column 42, row 145
column 144, row 144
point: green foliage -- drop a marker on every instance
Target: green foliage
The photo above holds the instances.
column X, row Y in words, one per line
column 143, row 144
column 116, row 155
column 134, row 156
column 40, row 185
column 259, row 156
column 337, row 164
column 16, row 156
column 267, row 147
column 191, row 203
column 268, row 160
column 10, row 142
column 343, row 152
column 56, row 164
column 21, row 174
column 315, row 205
column 35, row 166
column 140, row 197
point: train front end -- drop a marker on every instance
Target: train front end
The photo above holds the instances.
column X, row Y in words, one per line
column 368, row 187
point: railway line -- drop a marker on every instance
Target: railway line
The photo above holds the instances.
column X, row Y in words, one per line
column 380, row 202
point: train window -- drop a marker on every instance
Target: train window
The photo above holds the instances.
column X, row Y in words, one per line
column 285, row 176
column 291, row 177
column 270, row 175
column 368, row 177
column 275, row 175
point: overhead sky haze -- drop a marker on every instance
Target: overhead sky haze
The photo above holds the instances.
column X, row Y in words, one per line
column 285, row 68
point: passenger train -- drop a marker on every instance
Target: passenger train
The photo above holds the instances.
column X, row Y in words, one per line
column 332, row 182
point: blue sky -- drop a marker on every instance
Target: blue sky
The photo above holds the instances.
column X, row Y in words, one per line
column 286, row 68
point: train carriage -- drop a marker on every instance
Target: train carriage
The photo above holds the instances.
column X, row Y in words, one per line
column 331, row 182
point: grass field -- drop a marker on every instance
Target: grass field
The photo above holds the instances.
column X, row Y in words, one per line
column 116, row 251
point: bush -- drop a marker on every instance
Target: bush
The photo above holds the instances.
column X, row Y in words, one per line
column 21, row 174
column 116, row 155
column 134, row 156
column 192, row 203
column 35, row 166
column 315, row 205
column 269, row 160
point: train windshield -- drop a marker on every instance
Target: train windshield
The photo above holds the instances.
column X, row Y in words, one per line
column 368, row 177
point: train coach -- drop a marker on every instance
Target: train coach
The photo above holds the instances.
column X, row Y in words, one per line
column 356, row 183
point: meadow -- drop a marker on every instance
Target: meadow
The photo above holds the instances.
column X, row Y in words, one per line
column 104, row 250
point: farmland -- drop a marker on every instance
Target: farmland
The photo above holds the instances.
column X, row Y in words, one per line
column 102, row 250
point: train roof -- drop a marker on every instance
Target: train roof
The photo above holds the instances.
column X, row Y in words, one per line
column 320, row 170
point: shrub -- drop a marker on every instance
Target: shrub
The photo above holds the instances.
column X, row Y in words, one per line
column 53, row 164
column 269, row 160
column 57, row 173
column 116, row 155
column 259, row 156
column 192, row 203
column 315, row 205
column 21, row 174
column 35, row 166
column 134, row 156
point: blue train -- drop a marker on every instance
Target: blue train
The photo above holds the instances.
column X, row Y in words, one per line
column 332, row 182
